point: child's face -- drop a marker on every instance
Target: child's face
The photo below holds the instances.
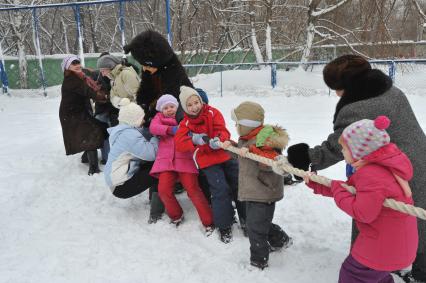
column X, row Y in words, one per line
column 346, row 152
column 169, row 110
column 194, row 105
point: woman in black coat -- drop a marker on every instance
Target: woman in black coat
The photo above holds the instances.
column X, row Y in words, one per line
column 162, row 71
column 80, row 130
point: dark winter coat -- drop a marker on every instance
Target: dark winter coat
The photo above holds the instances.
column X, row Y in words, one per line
column 79, row 129
column 167, row 80
column 379, row 97
column 150, row 48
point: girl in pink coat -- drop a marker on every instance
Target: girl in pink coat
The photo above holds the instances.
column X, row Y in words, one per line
column 387, row 239
column 171, row 165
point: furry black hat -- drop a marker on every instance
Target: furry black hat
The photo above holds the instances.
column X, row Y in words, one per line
column 150, row 48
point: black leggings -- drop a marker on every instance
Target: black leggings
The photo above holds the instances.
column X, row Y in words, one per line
column 137, row 184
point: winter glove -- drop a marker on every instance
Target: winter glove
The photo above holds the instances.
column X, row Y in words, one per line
column 213, row 143
column 298, row 156
column 171, row 130
column 277, row 167
column 198, row 139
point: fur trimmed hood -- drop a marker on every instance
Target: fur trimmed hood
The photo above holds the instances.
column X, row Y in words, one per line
column 279, row 140
column 369, row 84
column 150, row 48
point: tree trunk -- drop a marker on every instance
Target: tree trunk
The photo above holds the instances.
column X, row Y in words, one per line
column 310, row 33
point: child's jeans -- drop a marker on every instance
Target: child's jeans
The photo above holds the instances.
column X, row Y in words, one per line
column 354, row 272
column 223, row 185
column 189, row 181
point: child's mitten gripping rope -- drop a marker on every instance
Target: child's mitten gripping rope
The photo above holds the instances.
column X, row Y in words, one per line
column 281, row 166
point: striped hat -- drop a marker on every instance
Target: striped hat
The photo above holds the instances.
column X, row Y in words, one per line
column 365, row 136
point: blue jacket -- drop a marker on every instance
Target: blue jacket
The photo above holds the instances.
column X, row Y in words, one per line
column 128, row 149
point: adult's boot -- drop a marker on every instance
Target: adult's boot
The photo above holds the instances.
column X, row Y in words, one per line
column 92, row 155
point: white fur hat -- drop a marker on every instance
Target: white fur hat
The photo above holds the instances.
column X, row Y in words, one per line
column 185, row 93
column 130, row 113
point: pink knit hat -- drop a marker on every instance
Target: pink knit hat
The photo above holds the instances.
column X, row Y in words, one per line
column 164, row 100
column 365, row 136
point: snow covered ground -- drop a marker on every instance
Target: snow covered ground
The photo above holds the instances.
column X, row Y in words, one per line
column 59, row 225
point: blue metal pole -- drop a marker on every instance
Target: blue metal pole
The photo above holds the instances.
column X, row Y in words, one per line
column 79, row 35
column 3, row 78
column 392, row 67
column 3, row 75
column 274, row 75
column 38, row 50
column 169, row 29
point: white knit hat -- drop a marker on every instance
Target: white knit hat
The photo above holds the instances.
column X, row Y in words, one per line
column 185, row 93
column 365, row 136
column 66, row 62
column 130, row 113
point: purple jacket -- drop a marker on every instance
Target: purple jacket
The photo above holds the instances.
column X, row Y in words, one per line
column 168, row 159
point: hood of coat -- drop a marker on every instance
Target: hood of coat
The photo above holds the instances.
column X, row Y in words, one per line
column 115, row 132
column 278, row 139
column 150, row 48
column 367, row 85
column 391, row 157
column 118, row 69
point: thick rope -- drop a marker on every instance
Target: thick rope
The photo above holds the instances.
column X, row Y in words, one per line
column 285, row 166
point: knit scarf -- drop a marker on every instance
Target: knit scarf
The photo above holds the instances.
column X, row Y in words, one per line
column 265, row 151
column 89, row 81
column 204, row 118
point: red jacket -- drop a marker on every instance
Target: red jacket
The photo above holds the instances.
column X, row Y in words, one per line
column 210, row 122
column 388, row 239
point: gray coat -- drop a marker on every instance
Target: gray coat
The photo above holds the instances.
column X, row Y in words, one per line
column 404, row 131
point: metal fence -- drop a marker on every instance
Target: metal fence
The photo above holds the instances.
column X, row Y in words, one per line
column 44, row 71
column 406, row 74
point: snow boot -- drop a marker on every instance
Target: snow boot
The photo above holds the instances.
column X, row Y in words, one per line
column 278, row 239
column 104, row 152
column 407, row 276
column 209, row 230
column 288, row 180
column 226, row 235
column 84, row 158
column 157, row 207
column 177, row 222
column 259, row 264
column 178, row 189
column 92, row 156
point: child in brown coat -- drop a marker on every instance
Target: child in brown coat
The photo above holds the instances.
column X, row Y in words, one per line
column 259, row 186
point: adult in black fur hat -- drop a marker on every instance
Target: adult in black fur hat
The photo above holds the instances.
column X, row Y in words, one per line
column 162, row 71
column 366, row 93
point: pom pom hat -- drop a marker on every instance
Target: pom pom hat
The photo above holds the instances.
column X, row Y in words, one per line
column 130, row 113
column 365, row 136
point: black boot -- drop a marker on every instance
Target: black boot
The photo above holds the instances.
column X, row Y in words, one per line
column 84, row 158
column 157, row 208
column 92, row 155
